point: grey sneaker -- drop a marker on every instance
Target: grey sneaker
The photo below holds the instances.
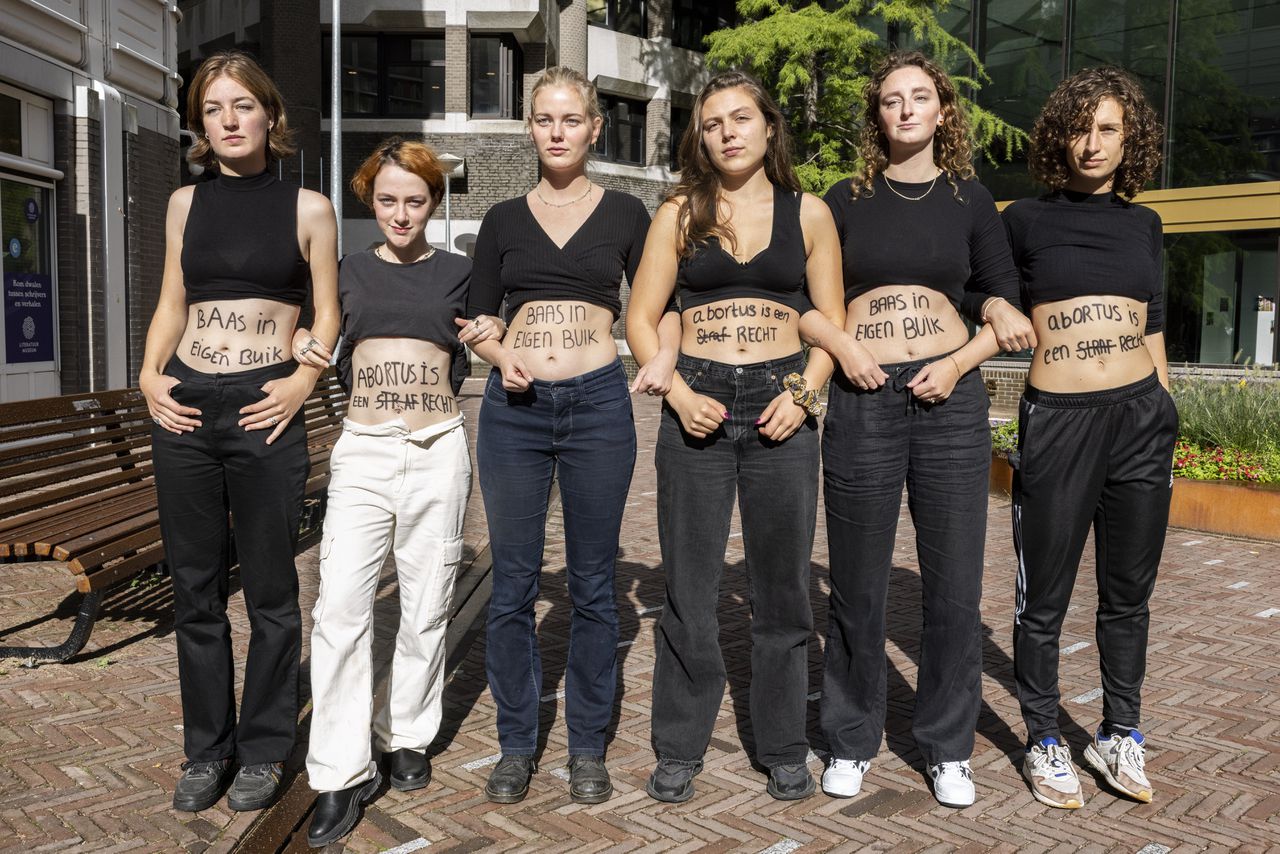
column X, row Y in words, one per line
column 256, row 786
column 201, row 785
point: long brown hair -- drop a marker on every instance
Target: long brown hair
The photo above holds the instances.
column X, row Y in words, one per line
column 698, row 192
column 1070, row 110
column 245, row 70
column 952, row 141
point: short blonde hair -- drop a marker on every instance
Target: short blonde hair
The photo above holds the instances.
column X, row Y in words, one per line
column 415, row 157
column 245, row 70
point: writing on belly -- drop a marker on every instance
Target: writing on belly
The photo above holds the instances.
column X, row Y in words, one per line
column 544, row 328
column 215, row 319
column 902, row 326
column 731, row 323
column 1091, row 345
column 391, row 385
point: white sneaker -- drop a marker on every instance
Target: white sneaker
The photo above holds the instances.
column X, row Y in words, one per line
column 843, row 777
column 1047, row 767
column 953, row 783
column 1121, row 760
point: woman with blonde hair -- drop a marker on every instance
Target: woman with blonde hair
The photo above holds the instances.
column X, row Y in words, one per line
column 922, row 242
column 556, row 405
column 400, row 477
column 747, row 253
column 242, row 251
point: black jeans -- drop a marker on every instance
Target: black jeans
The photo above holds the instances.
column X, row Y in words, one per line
column 199, row 477
column 777, row 489
column 1102, row 459
column 873, row 442
column 581, row 431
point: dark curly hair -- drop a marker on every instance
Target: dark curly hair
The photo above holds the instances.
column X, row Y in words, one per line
column 1069, row 112
column 952, row 142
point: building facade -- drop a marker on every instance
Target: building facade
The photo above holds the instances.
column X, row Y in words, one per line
column 88, row 158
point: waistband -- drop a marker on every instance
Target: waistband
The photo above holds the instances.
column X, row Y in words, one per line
column 597, row 375
column 1082, row 399
column 793, row 362
column 256, row 376
column 398, row 429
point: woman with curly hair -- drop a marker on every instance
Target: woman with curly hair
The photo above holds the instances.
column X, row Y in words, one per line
column 922, row 242
column 741, row 245
column 1096, row 425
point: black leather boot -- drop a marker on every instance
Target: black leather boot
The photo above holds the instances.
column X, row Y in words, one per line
column 337, row 812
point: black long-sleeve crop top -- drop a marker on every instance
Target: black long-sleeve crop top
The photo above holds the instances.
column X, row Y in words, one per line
column 955, row 246
column 418, row 300
column 1069, row 245
column 516, row 259
column 241, row 241
column 776, row 273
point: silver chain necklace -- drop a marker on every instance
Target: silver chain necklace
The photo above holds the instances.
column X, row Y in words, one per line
column 538, row 192
column 381, row 252
column 889, row 184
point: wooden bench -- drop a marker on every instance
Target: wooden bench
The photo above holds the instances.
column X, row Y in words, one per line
column 77, row 486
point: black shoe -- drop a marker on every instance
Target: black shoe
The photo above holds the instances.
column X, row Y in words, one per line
column 790, row 782
column 589, row 780
column 201, row 784
column 337, row 812
column 672, row 780
column 256, row 786
column 509, row 782
column 410, row 769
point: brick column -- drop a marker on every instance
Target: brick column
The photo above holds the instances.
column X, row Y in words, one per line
column 659, row 19
column 290, row 53
column 457, row 76
column 657, row 132
column 573, row 35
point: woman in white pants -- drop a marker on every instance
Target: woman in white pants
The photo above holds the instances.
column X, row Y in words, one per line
column 401, row 475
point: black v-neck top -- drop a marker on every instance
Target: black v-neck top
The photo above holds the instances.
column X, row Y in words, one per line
column 775, row 273
column 515, row 259
column 241, row 241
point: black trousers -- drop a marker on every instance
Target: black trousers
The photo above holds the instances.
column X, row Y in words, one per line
column 776, row 484
column 199, row 477
column 873, row 443
column 1102, row 459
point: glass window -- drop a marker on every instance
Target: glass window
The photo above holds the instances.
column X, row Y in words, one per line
column 1224, row 122
column 1220, row 297
column 389, row 75
column 495, row 77
column 26, row 225
column 622, row 139
column 1020, row 43
column 693, row 20
column 624, row 16
column 681, row 118
column 1133, row 35
column 10, row 125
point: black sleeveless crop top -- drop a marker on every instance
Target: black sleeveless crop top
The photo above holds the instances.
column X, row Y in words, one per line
column 241, row 241
column 776, row 273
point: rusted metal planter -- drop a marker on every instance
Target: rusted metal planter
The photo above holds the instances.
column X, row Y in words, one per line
column 1218, row 507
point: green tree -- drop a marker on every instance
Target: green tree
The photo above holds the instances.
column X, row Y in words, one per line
column 816, row 58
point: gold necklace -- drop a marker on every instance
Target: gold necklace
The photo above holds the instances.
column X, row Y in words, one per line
column 380, row 251
column 889, row 184
column 538, row 192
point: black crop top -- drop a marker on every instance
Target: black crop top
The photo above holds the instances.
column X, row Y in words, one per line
column 515, row 259
column 776, row 273
column 241, row 241
column 418, row 300
column 954, row 246
column 1069, row 245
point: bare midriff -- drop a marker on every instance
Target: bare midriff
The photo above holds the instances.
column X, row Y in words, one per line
column 559, row 339
column 1089, row 343
column 903, row 323
column 233, row 335
column 401, row 378
column 740, row 331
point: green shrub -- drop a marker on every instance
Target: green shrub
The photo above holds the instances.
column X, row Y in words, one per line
column 1004, row 438
column 1242, row 415
column 1195, row 462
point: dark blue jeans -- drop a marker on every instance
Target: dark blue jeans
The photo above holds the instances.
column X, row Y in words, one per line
column 776, row 484
column 581, row 432
column 873, row 443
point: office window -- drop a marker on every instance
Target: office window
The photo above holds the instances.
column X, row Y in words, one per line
column 495, row 77
column 1220, row 297
column 388, row 75
column 681, row 118
column 624, row 16
column 622, row 139
column 1134, row 36
column 10, row 125
column 693, row 20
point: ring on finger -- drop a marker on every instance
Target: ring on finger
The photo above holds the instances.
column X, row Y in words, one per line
column 273, row 420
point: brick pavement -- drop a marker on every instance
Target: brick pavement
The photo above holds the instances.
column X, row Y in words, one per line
column 90, row 748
